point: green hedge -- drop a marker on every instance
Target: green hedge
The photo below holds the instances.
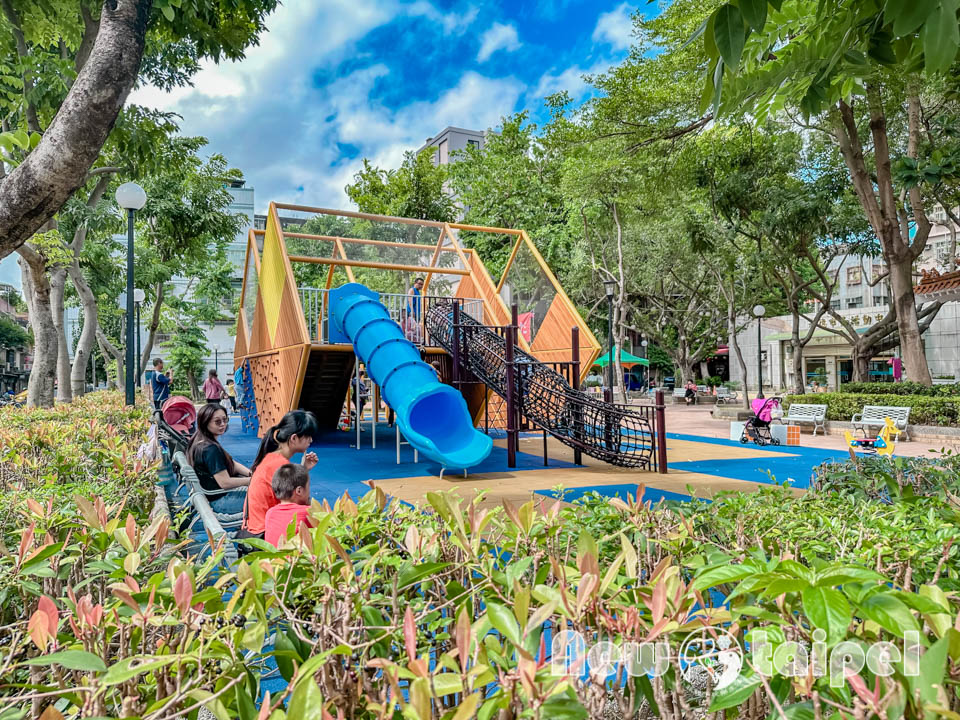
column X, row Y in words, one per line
column 943, row 411
column 903, row 388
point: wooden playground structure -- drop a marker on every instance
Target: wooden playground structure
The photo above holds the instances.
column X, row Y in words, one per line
column 283, row 341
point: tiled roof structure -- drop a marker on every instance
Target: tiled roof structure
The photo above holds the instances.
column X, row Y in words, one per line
column 936, row 286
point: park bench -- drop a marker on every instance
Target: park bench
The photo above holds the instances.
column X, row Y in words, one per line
column 681, row 394
column 807, row 413
column 217, row 524
column 725, row 395
column 876, row 416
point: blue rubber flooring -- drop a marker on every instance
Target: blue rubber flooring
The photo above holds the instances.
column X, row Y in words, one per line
column 653, row 495
column 797, row 468
column 343, row 468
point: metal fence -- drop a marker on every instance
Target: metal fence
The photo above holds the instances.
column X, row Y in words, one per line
column 409, row 313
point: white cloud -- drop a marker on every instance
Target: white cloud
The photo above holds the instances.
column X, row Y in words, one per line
column 570, row 80
column 498, row 37
column 615, row 27
column 286, row 132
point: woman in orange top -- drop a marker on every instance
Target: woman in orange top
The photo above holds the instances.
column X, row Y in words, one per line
column 292, row 435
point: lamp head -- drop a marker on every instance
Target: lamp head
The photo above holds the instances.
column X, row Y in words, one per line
column 139, row 295
column 610, row 286
column 131, row 196
column 759, row 310
column 643, row 343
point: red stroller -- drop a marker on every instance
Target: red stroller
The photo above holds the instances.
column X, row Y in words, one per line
column 757, row 428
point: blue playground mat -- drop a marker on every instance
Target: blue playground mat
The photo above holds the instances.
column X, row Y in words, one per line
column 654, row 495
column 343, row 468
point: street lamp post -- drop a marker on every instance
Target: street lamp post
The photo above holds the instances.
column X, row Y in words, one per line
column 646, row 372
column 138, row 298
column 131, row 198
column 610, row 286
column 216, row 359
column 759, row 311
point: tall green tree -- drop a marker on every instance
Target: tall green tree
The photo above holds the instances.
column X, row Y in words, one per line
column 414, row 190
column 513, row 182
column 75, row 63
column 871, row 77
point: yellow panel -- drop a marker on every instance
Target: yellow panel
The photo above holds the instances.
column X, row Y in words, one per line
column 271, row 277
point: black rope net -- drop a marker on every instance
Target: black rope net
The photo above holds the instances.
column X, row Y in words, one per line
column 601, row 430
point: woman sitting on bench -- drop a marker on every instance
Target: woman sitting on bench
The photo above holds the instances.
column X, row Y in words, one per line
column 215, row 469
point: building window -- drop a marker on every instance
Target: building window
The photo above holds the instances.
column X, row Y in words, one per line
column 443, row 154
column 855, row 302
column 877, row 271
column 939, row 215
column 881, row 301
column 835, row 304
column 473, row 144
column 853, row 275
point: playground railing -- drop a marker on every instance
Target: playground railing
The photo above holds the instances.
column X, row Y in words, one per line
column 314, row 302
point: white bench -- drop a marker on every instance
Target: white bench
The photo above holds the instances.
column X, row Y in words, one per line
column 876, row 416
column 216, row 524
column 725, row 394
column 807, row 413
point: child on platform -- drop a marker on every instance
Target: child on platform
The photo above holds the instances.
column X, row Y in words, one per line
column 291, row 485
column 293, row 434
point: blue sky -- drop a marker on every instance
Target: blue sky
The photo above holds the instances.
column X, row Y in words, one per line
column 333, row 82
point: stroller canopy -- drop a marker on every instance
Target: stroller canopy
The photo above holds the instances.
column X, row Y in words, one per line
column 763, row 407
column 179, row 413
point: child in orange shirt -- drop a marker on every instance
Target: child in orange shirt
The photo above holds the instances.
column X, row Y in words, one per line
column 293, row 434
column 291, row 485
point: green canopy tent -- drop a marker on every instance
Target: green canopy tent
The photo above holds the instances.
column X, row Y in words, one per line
column 626, row 359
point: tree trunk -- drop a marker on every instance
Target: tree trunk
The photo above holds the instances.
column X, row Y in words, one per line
column 735, row 344
column 59, row 165
column 860, row 359
column 88, row 335
column 154, row 326
column 194, row 386
column 108, row 349
column 58, row 285
column 704, row 371
column 901, row 288
column 799, row 381
column 36, row 291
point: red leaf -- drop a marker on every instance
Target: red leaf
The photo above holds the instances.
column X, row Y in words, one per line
column 49, row 608
column 659, row 604
column 183, row 592
column 264, row 707
column 410, row 634
column 131, row 528
column 26, row 541
column 37, row 627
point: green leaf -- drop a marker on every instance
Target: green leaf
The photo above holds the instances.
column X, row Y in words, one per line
column 563, row 707
column 735, row 693
column 285, row 653
column 889, row 613
column 447, row 684
column 71, row 660
column 842, row 575
column 503, row 620
column 720, row 575
column 130, row 667
column 908, row 15
column 754, row 12
column 829, row 610
column 797, row 711
column 941, row 36
column 415, row 573
column 729, row 34
column 306, row 701
column 167, row 12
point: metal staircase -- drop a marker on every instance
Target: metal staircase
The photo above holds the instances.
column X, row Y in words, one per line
column 607, row 432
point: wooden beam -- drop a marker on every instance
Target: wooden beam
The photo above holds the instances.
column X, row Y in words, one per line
column 433, row 260
column 513, row 255
column 376, row 265
column 362, row 241
column 481, row 228
column 343, row 256
column 360, row 215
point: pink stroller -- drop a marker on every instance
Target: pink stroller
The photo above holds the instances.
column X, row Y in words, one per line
column 757, row 428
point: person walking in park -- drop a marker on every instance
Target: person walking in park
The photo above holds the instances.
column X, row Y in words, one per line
column 213, row 390
column 160, row 382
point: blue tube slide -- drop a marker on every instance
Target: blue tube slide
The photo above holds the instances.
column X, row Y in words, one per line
column 433, row 417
